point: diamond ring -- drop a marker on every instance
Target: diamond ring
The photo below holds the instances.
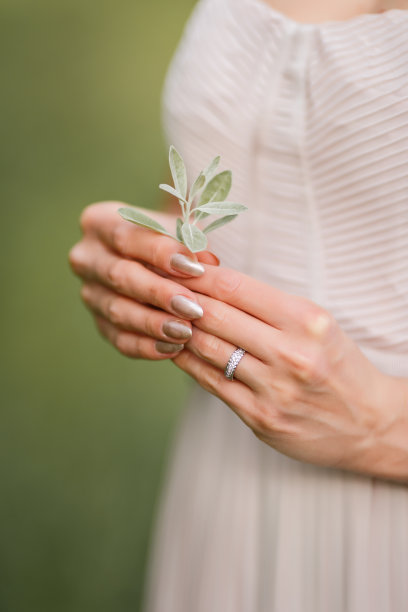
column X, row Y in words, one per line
column 233, row 361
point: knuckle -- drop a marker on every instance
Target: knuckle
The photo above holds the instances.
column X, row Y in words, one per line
column 75, row 257
column 152, row 326
column 257, row 423
column 314, row 370
column 157, row 251
column 207, row 346
column 261, row 422
column 87, row 217
column 126, row 345
column 227, row 283
column 317, row 322
column 269, row 422
column 120, row 238
column 211, row 380
column 114, row 311
column 215, row 317
column 146, row 350
column 85, row 294
column 270, row 429
column 288, row 394
column 155, row 293
column 116, row 274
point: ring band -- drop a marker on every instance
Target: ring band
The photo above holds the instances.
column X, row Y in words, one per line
column 233, row 361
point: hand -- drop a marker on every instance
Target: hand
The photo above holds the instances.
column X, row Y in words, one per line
column 125, row 270
column 303, row 387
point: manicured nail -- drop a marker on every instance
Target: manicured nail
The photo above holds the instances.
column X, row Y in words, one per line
column 186, row 308
column 181, row 263
column 177, row 329
column 217, row 261
column 167, row 348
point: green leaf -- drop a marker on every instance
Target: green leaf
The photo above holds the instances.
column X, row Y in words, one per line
column 179, row 224
column 209, row 172
column 218, row 223
column 218, row 188
column 222, row 208
column 198, row 184
column 135, row 216
column 172, row 191
column 178, row 171
column 193, row 238
column 200, row 215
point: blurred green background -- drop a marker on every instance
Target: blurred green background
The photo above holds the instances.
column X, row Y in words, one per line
column 84, row 431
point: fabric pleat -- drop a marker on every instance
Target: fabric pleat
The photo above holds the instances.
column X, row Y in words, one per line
column 313, row 121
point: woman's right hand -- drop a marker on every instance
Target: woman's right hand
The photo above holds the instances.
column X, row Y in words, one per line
column 125, row 269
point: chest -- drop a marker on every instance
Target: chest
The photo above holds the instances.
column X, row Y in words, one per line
column 319, row 11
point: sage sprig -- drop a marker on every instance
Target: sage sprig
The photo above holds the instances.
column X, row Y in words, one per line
column 207, row 196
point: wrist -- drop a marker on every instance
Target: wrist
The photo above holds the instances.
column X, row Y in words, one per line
column 384, row 453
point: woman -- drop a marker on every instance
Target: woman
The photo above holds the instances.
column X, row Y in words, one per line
column 307, row 103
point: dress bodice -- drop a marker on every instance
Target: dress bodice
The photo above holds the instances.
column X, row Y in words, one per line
column 313, row 121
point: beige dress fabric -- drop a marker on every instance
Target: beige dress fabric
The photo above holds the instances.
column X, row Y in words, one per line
column 313, row 121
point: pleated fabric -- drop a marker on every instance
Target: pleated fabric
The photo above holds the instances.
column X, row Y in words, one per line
column 313, row 121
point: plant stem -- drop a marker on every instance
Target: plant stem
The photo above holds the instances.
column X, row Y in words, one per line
column 183, row 210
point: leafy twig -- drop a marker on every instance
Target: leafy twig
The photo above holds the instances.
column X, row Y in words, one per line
column 206, row 197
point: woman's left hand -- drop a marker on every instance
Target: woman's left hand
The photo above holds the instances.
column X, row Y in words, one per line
column 303, row 386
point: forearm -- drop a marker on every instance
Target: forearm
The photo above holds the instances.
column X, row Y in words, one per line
column 385, row 454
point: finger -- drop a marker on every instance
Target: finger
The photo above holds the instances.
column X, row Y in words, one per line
column 269, row 304
column 290, row 354
column 217, row 352
column 234, row 393
column 135, row 242
column 208, row 257
column 132, row 316
column 239, row 328
column 134, row 345
column 92, row 261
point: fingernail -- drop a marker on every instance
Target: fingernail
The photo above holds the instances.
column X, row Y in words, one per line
column 177, row 329
column 181, row 263
column 186, row 308
column 217, row 261
column 167, row 347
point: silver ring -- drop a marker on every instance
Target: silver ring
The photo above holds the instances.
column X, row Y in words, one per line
column 233, row 361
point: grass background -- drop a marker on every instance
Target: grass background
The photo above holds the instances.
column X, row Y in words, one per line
column 84, row 432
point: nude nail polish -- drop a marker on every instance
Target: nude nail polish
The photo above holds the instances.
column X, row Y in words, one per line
column 177, row 329
column 167, row 347
column 186, row 308
column 181, row 263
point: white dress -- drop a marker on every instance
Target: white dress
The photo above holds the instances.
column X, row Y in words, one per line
column 313, row 121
